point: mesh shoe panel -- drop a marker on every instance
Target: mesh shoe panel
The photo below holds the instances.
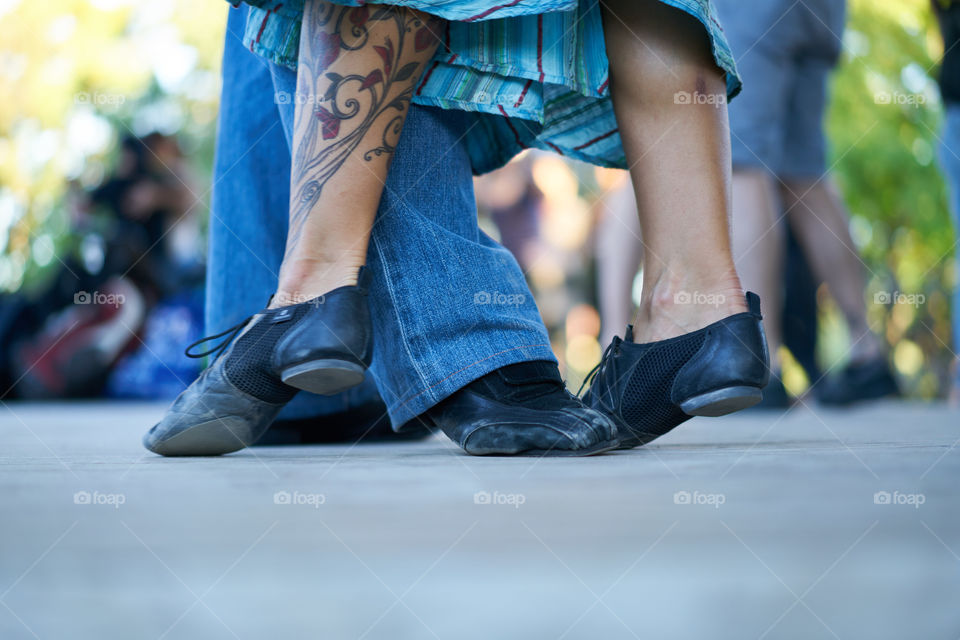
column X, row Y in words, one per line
column 646, row 405
column 248, row 365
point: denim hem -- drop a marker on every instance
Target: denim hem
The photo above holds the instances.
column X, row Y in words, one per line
column 403, row 411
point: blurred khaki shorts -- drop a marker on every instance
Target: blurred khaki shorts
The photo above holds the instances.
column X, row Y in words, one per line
column 785, row 51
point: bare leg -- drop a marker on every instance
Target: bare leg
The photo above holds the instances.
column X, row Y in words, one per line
column 679, row 157
column 819, row 219
column 357, row 70
column 619, row 252
column 758, row 246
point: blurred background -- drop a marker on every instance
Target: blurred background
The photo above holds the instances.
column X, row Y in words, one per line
column 106, row 139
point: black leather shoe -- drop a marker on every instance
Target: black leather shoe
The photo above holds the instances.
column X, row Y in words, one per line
column 323, row 346
column 857, row 382
column 648, row 389
column 522, row 409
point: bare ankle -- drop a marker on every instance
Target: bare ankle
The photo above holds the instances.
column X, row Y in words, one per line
column 673, row 306
column 302, row 280
column 866, row 345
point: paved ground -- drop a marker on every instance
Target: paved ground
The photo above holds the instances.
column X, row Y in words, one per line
column 738, row 528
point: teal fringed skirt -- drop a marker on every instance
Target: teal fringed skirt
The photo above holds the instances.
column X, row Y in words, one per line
column 532, row 73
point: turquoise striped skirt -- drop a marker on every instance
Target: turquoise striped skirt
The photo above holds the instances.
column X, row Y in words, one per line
column 533, row 73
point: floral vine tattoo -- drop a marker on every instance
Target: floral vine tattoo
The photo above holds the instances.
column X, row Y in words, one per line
column 347, row 96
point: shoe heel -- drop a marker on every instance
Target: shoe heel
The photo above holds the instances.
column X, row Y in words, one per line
column 325, row 377
column 722, row 401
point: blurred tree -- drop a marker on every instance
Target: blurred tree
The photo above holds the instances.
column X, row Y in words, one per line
column 883, row 126
column 77, row 75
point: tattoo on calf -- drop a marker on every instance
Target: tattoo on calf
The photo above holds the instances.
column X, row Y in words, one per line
column 340, row 106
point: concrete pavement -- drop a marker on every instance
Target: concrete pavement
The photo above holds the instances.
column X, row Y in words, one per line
column 810, row 524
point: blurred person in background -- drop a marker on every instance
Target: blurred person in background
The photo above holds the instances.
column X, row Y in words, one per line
column 619, row 254
column 509, row 408
column 948, row 15
column 512, row 201
column 786, row 52
column 82, row 334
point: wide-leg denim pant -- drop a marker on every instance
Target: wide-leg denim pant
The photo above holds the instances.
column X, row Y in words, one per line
column 449, row 304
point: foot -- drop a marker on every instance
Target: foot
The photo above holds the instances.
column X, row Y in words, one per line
column 673, row 309
column 522, row 409
column 323, row 346
column 650, row 388
column 858, row 381
column 302, row 279
column 866, row 347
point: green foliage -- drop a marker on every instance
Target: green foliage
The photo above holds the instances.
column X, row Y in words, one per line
column 76, row 75
column 883, row 126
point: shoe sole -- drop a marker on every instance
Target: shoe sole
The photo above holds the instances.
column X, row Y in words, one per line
column 601, row 447
column 325, row 377
column 211, row 438
column 722, row 401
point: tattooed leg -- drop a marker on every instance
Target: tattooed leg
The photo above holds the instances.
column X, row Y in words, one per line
column 357, row 70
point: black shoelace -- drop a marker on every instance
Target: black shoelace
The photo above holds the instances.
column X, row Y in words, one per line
column 597, row 370
column 233, row 331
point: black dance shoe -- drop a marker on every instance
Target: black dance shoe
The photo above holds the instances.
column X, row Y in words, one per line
column 648, row 389
column 522, row 409
column 858, row 382
column 323, row 346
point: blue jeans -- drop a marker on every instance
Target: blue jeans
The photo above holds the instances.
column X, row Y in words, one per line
column 950, row 165
column 449, row 304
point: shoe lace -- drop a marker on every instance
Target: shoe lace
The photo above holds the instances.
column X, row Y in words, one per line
column 598, row 369
column 232, row 331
